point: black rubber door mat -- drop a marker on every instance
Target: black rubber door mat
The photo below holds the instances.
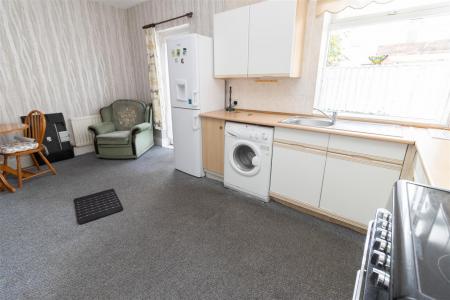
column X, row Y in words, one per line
column 96, row 206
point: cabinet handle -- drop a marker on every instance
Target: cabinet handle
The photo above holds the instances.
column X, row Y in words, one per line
column 366, row 156
column 365, row 160
column 300, row 148
column 220, row 127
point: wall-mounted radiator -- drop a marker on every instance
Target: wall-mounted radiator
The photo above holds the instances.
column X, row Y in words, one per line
column 81, row 135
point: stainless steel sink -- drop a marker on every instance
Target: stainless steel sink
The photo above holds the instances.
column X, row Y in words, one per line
column 308, row 122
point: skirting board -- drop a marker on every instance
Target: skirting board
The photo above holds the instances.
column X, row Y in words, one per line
column 319, row 213
column 214, row 176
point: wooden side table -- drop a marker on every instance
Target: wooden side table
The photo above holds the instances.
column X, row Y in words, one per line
column 4, row 130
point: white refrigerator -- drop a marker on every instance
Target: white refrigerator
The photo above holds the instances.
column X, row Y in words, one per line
column 193, row 90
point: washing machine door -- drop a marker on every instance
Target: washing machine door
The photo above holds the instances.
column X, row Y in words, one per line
column 245, row 158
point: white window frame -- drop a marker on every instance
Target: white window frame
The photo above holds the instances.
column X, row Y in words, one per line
column 330, row 24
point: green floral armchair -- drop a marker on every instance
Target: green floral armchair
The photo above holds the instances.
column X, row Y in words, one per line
column 126, row 130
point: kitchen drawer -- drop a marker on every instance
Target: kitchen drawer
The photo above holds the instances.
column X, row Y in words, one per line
column 306, row 138
column 373, row 149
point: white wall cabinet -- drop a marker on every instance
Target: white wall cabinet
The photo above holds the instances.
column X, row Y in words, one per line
column 261, row 40
column 272, row 38
column 231, row 42
column 355, row 187
column 297, row 173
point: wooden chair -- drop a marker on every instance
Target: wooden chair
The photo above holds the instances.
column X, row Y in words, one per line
column 36, row 130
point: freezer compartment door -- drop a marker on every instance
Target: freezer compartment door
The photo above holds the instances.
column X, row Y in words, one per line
column 183, row 71
column 187, row 141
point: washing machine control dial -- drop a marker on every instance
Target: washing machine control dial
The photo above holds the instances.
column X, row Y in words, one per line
column 264, row 136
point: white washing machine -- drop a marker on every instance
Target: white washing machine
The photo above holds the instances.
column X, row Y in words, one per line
column 248, row 158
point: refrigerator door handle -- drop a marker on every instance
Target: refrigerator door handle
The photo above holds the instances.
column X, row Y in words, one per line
column 196, row 123
column 195, row 98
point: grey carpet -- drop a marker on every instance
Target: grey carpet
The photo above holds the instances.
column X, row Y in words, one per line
column 178, row 237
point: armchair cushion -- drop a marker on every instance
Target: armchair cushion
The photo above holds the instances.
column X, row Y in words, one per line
column 140, row 127
column 128, row 113
column 114, row 138
column 102, row 128
column 106, row 113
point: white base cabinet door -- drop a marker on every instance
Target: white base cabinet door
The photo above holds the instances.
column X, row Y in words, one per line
column 354, row 188
column 297, row 173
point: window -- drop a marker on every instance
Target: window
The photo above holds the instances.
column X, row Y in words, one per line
column 390, row 61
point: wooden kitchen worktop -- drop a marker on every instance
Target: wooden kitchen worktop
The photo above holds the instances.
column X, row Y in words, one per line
column 435, row 156
column 434, row 153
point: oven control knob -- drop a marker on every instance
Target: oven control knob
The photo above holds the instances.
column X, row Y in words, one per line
column 264, row 136
column 377, row 258
column 383, row 224
column 383, row 214
column 380, row 259
column 380, row 279
column 387, row 264
column 382, row 245
column 384, row 234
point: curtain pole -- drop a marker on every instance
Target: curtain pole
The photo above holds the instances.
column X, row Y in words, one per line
column 188, row 15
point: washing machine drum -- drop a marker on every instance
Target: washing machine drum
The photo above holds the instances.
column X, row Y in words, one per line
column 245, row 158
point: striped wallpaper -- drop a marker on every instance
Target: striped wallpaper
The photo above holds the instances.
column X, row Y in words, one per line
column 156, row 10
column 69, row 56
